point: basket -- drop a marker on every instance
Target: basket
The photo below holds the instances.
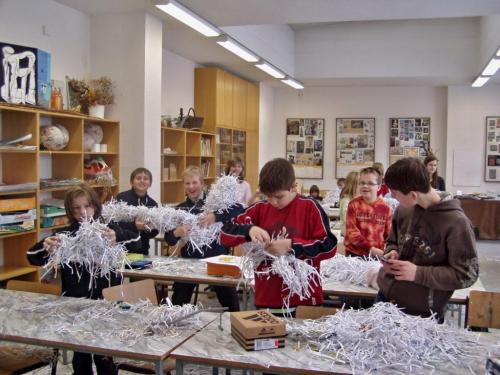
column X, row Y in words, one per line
column 191, row 121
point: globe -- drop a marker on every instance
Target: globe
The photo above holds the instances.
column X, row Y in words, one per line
column 95, row 131
column 54, row 137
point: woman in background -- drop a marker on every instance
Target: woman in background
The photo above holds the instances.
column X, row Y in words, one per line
column 383, row 190
column 348, row 192
column 236, row 168
column 431, row 163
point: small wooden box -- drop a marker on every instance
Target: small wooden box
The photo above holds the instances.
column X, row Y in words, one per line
column 223, row 265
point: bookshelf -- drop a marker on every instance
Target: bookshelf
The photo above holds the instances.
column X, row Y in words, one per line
column 29, row 164
column 181, row 148
column 230, row 143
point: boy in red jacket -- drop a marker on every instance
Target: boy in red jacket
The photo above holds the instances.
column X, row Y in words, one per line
column 305, row 222
column 368, row 221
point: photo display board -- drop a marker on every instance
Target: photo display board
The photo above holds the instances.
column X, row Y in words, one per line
column 409, row 137
column 305, row 145
column 492, row 170
column 355, row 145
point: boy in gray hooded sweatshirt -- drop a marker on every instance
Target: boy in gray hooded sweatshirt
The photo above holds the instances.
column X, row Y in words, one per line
column 431, row 250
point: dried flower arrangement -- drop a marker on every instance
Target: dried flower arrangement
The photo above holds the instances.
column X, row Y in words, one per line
column 85, row 93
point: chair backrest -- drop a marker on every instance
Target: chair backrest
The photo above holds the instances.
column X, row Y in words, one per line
column 484, row 309
column 313, row 312
column 132, row 292
column 34, row 287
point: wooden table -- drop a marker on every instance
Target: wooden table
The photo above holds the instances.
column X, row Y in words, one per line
column 216, row 347
column 484, row 215
column 186, row 270
column 35, row 328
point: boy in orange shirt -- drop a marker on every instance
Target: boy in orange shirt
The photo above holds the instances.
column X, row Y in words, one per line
column 368, row 218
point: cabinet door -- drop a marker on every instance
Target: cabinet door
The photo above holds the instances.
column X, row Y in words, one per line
column 239, row 103
column 252, row 106
column 227, row 114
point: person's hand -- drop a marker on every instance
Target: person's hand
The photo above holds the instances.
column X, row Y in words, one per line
column 182, row 230
column 279, row 247
column 402, row 269
column 50, row 244
column 140, row 224
column 207, row 219
column 257, row 234
column 393, row 254
column 110, row 235
column 375, row 252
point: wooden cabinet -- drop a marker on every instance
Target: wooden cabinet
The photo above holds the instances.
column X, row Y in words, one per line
column 181, row 148
column 29, row 164
column 226, row 103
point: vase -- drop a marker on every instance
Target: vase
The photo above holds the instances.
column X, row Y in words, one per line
column 97, row 110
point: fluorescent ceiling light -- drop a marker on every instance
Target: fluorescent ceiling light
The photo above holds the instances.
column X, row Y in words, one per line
column 491, row 68
column 480, row 81
column 189, row 18
column 293, row 83
column 498, row 52
column 238, row 49
column 271, row 70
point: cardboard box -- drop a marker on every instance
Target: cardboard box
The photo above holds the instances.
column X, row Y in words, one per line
column 223, row 265
column 258, row 344
column 257, row 324
column 17, row 204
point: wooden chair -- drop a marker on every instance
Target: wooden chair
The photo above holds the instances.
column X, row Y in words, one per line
column 14, row 358
column 483, row 309
column 131, row 293
column 313, row 312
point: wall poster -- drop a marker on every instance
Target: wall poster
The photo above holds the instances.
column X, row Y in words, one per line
column 409, row 137
column 355, row 145
column 492, row 170
column 304, row 146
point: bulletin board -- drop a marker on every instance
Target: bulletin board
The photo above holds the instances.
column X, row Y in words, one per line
column 305, row 145
column 409, row 137
column 492, row 169
column 355, row 145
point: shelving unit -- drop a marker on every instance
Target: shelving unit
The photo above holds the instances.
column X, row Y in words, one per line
column 230, row 108
column 29, row 166
column 186, row 147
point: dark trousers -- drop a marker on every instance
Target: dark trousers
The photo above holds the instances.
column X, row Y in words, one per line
column 227, row 295
column 82, row 364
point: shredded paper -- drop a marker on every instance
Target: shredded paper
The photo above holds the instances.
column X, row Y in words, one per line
column 359, row 271
column 383, row 337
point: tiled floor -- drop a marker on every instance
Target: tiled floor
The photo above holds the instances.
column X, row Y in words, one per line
column 489, row 258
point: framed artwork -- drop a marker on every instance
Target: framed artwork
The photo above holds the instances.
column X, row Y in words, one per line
column 305, row 145
column 355, row 144
column 492, row 168
column 409, row 137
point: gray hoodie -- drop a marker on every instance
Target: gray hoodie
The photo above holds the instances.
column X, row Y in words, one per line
column 440, row 241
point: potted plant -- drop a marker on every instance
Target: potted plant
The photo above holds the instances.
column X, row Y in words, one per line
column 91, row 96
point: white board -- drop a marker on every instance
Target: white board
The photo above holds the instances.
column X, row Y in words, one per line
column 467, row 167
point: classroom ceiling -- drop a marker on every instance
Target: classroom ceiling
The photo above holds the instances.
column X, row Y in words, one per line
column 298, row 15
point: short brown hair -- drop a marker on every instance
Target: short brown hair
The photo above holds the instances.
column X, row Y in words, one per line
column 140, row 170
column 408, row 174
column 78, row 191
column 233, row 162
column 372, row 170
column 277, row 174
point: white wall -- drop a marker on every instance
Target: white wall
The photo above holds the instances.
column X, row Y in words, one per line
column 412, row 48
column 331, row 102
column 490, row 39
column 275, row 43
column 131, row 56
column 467, row 111
column 177, row 84
column 66, row 35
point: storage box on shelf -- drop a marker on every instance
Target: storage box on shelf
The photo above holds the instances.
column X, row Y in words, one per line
column 181, row 148
column 228, row 104
column 26, row 164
